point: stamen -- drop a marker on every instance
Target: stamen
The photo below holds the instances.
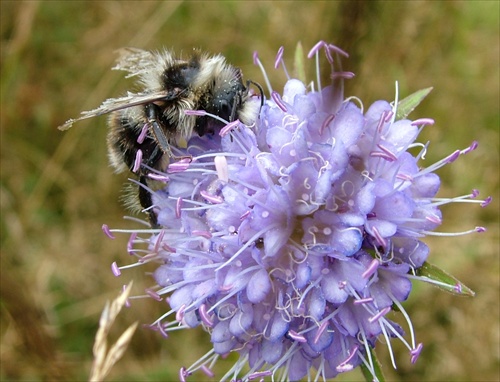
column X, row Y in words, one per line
column 344, row 75
column 158, row 177
column 177, row 167
column 422, row 122
column 245, row 215
column 277, row 99
column 328, row 55
column 279, row 57
column 205, row 317
column 452, row 234
column 226, row 129
column 486, row 201
column 153, row 294
column 315, row 49
column 159, row 241
column 211, row 198
column 371, row 269
column 326, row 122
column 380, row 314
column 296, row 336
column 388, row 116
column 183, row 373
column 257, row 62
column 207, row 371
column 162, row 331
column 472, row 147
column 380, row 240
column 107, row 231
column 434, row 219
column 385, row 154
column 178, row 207
column 260, row 374
column 452, row 157
column 381, row 122
column 179, row 315
column 115, row 269
column 197, row 113
column 336, row 49
column 205, row 234
column 138, row 161
column 449, row 159
column 321, row 330
column 142, row 135
column 364, row 300
column 130, row 243
column 344, row 366
column 415, row 353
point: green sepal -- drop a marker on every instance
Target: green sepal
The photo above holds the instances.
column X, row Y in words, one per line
column 298, row 63
column 377, row 368
column 443, row 280
column 408, row 104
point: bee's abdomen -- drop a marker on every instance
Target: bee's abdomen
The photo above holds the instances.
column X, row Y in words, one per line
column 123, row 143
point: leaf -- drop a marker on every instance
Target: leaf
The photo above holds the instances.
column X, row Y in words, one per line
column 407, row 105
column 443, row 280
column 377, row 369
column 298, row 63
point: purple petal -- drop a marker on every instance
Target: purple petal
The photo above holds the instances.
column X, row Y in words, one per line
column 298, row 367
column 221, row 332
column 241, row 321
column 316, row 304
column 272, row 350
column 348, row 125
column 181, row 296
column 258, row 286
column 332, row 288
column 279, row 326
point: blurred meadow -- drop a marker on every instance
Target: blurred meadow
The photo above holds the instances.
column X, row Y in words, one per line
column 57, row 188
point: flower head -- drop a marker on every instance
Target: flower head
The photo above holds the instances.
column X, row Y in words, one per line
column 292, row 239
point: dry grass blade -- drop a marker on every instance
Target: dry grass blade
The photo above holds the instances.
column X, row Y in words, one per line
column 103, row 359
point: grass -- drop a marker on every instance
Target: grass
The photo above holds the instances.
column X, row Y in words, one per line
column 57, row 189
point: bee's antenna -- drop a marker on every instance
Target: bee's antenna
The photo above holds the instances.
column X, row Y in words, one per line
column 261, row 91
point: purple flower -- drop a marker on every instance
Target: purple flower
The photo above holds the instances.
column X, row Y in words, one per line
column 291, row 240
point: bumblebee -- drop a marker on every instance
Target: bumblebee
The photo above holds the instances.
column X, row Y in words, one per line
column 145, row 125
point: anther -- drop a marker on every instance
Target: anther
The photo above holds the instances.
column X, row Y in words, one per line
column 277, row 99
column 107, row 231
column 142, row 135
column 371, row 269
column 114, row 268
column 153, row 294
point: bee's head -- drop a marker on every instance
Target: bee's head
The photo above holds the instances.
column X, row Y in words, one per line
column 222, row 93
column 228, row 97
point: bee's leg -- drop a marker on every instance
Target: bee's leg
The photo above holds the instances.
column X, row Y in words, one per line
column 146, row 200
column 152, row 113
column 236, row 102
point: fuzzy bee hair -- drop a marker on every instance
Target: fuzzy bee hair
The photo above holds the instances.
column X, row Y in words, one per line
column 143, row 125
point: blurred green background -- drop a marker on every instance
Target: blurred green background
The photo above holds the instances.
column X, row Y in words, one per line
column 57, row 188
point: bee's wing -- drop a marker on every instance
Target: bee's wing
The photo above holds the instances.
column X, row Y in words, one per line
column 134, row 61
column 114, row 104
column 138, row 61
